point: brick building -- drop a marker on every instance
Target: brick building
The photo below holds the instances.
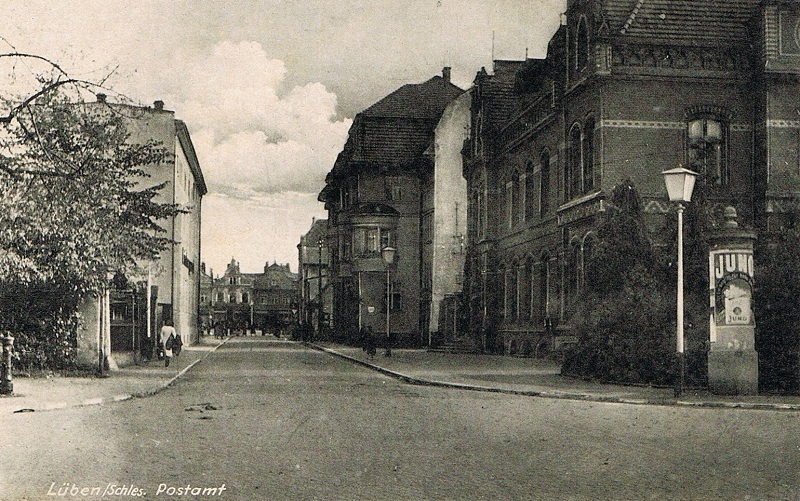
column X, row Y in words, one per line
column 374, row 197
column 628, row 89
column 243, row 302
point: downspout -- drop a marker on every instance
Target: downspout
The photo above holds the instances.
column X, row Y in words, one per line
column 176, row 144
column 198, row 206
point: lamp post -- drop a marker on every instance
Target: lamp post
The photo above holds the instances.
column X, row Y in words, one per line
column 320, row 244
column 388, row 254
column 680, row 184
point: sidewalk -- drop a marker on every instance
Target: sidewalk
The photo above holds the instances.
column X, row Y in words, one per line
column 497, row 374
column 535, row 377
column 58, row 392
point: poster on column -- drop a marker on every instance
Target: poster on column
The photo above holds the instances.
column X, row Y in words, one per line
column 731, row 273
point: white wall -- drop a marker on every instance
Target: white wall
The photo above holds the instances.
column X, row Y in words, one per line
column 450, row 202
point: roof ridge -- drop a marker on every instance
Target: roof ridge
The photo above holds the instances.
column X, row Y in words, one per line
column 632, row 16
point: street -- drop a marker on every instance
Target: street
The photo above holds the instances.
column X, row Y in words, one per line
column 269, row 419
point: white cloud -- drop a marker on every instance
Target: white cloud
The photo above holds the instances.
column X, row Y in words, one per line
column 264, row 150
column 250, row 137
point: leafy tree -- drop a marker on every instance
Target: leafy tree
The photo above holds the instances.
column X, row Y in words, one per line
column 74, row 203
column 623, row 318
column 777, row 287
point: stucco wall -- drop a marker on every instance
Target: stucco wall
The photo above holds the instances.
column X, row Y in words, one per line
column 450, row 203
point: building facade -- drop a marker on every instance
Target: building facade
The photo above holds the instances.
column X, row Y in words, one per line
column 444, row 222
column 316, row 298
column 627, row 90
column 124, row 323
column 240, row 303
column 374, row 197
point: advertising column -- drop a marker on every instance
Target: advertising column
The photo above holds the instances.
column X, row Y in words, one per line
column 732, row 358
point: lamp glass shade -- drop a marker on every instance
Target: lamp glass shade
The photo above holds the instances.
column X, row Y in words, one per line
column 680, row 184
column 388, row 254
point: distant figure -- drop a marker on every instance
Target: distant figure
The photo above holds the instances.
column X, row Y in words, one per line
column 369, row 342
column 167, row 340
column 177, row 345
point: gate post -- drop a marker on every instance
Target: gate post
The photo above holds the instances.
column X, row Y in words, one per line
column 6, row 382
column 732, row 358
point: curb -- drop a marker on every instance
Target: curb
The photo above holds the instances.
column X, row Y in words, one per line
column 583, row 397
column 52, row 406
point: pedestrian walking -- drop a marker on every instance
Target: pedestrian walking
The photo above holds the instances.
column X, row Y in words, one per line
column 167, row 340
column 369, row 342
column 177, row 345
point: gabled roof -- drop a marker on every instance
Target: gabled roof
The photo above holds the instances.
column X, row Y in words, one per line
column 426, row 100
column 684, row 22
column 498, row 89
column 318, row 230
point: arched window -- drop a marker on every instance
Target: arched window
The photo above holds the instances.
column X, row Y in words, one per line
column 573, row 273
column 481, row 210
column 589, row 246
column 245, row 298
column 574, row 167
column 544, row 182
column 588, row 156
column 513, row 292
column 530, row 191
column 707, row 138
column 543, row 293
column 528, row 287
column 582, row 46
column 514, row 198
column 519, row 310
column 506, row 293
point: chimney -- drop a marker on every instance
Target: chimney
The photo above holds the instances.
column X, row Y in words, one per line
column 101, row 98
column 158, row 105
column 446, row 74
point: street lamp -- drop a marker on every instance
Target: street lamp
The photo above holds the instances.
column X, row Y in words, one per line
column 388, row 254
column 320, row 244
column 680, row 184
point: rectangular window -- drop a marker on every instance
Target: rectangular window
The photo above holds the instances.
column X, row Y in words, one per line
column 396, row 299
column 393, row 188
column 373, row 241
column 386, row 238
column 367, row 241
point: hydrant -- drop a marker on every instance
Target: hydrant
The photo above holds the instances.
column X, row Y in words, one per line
column 6, row 383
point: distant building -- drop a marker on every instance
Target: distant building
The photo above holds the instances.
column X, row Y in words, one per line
column 379, row 195
column 316, row 296
column 242, row 302
column 124, row 324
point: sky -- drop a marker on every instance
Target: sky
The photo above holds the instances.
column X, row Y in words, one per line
column 269, row 88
